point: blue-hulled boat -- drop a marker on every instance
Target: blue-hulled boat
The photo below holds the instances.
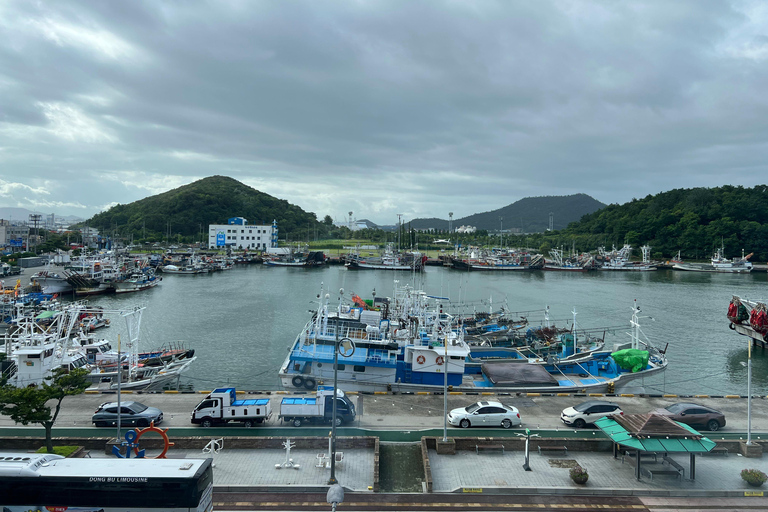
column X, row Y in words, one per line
column 410, row 343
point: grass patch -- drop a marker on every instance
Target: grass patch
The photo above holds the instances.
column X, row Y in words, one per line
column 64, row 451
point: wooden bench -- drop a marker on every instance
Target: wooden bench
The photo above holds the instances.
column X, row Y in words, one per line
column 672, row 462
column 717, row 450
column 563, row 449
column 487, row 447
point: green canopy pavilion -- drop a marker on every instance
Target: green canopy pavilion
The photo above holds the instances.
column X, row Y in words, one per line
column 639, row 434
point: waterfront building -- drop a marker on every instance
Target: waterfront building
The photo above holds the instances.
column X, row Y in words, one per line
column 14, row 235
column 238, row 234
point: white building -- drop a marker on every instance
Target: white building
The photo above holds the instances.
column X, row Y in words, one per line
column 466, row 229
column 238, row 234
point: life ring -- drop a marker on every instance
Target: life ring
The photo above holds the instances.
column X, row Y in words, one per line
column 298, row 381
column 152, row 428
column 420, row 359
column 439, row 360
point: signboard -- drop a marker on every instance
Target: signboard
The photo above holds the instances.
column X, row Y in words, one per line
column 18, row 242
column 221, row 239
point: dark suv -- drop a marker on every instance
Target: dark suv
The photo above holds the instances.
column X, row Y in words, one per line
column 694, row 415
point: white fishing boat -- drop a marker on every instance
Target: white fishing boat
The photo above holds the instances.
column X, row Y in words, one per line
column 620, row 259
column 718, row 263
column 138, row 281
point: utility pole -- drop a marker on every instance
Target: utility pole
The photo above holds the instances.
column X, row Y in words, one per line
column 399, row 229
column 501, row 231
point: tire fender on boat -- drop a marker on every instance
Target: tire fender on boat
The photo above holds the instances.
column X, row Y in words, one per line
column 298, row 381
column 309, row 383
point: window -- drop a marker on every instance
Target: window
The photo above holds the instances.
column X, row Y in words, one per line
column 358, row 368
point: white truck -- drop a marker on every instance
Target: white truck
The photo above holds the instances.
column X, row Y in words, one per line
column 317, row 409
column 222, row 406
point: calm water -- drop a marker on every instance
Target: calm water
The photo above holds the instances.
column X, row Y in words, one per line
column 242, row 322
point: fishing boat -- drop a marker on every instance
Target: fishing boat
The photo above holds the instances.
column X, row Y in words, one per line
column 137, row 281
column 718, row 263
column 294, row 258
column 191, row 269
column 409, row 343
column 574, row 263
column 496, row 260
column 619, row 260
column 51, row 281
column 390, row 259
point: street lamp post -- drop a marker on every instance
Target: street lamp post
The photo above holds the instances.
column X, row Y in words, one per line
column 749, row 393
column 332, row 480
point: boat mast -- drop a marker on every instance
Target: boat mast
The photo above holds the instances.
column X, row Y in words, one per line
column 574, row 330
column 635, row 323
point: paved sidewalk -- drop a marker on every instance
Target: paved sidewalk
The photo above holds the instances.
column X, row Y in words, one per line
column 467, row 470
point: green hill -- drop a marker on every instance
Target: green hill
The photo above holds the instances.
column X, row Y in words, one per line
column 693, row 221
column 187, row 211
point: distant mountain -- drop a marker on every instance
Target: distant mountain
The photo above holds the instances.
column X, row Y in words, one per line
column 528, row 215
column 22, row 214
column 188, row 210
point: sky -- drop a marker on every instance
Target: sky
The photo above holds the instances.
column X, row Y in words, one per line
column 382, row 108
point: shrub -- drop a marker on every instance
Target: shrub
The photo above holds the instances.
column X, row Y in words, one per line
column 64, row 451
column 753, row 476
column 579, row 474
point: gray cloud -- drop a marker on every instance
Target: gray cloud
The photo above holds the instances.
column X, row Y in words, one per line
column 379, row 107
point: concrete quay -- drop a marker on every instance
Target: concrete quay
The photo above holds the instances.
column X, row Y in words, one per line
column 249, row 457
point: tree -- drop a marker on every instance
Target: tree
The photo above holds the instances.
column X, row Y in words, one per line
column 30, row 405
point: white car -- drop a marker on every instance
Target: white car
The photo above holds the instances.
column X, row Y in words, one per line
column 587, row 413
column 485, row 414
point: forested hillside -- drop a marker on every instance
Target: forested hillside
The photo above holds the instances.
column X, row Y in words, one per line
column 188, row 210
column 693, row 221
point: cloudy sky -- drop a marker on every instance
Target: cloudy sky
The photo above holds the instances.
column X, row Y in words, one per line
column 379, row 107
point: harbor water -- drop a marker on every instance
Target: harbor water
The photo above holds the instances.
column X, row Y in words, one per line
column 242, row 322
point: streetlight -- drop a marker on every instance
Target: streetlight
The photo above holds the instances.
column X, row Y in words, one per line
column 749, row 392
column 348, row 348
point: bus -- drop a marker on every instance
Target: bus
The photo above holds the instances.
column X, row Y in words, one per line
column 31, row 482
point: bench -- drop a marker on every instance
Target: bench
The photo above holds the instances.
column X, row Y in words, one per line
column 659, row 472
column 486, row 447
column 643, row 456
column 717, row 450
column 563, row 449
column 672, row 462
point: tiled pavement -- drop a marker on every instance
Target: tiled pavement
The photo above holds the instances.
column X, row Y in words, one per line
column 466, row 469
